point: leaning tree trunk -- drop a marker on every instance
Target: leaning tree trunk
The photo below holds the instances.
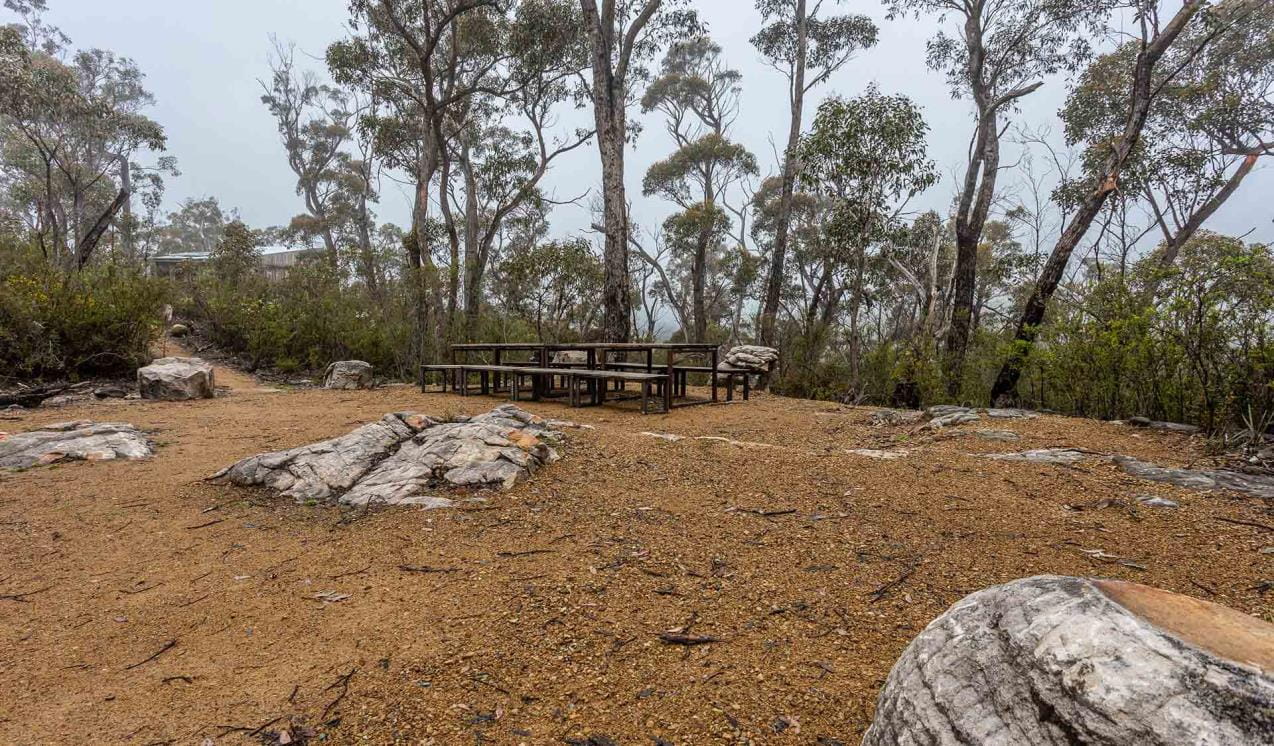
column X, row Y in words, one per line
column 1059, row 660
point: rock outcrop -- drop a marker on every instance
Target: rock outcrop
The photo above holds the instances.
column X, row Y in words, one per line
column 348, row 374
column 753, row 358
column 1255, row 485
column 397, row 459
column 73, row 441
column 176, row 379
column 1060, row 660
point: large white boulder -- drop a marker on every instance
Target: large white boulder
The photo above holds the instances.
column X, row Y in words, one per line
column 348, row 374
column 1061, row 660
column 176, row 379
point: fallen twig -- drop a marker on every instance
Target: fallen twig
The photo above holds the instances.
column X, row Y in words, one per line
column 763, row 512
column 22, row 597
column 884, row 590
column 167, row 646
column 1239, row 522
column 343, row 682
column 205, row 525
column 526, row 553
column 676, row 638
column 426, row 568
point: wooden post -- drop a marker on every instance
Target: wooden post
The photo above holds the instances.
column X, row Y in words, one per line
column 715, row 352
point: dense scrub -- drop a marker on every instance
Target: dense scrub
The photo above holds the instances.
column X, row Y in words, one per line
column 59, row 325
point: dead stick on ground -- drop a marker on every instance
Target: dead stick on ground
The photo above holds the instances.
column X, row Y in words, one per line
column 205, row 525
column 527, row 553
column 343, row 683
column 1238, row 522
column 673, row 638
column 425, row 568
column 22, row 597
column 884, row 590
column 167, row 646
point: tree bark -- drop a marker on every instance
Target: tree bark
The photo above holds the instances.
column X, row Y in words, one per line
column 85, row 248
column 1060, row 660
column 610, row 52
column 778, row 256
column 1140, row 98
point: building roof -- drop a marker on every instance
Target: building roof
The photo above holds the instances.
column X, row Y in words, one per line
column 200, row 256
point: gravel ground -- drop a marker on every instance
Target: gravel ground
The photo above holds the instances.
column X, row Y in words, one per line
column 139, row 604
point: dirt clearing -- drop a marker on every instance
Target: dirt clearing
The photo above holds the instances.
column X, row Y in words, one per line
column 695, row 591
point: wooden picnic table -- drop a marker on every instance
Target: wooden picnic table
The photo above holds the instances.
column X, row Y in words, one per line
column 597, row 353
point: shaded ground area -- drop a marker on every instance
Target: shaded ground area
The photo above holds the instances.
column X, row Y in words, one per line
column 139, row 604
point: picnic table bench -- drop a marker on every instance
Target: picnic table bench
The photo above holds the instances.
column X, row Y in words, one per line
column 572, row 377
column 666, row 378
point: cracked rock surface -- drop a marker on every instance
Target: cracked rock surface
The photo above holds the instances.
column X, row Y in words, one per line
column 1061, row 660
column 73, row 441
column 399, row 458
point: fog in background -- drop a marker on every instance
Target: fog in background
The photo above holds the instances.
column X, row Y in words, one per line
column 203, row 60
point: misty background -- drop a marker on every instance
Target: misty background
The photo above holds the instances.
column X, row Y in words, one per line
column 202, row 62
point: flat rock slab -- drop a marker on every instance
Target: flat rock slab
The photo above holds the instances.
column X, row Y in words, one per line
column 1045, row 456
column 951, row 419
column 1006, row 436
column 896, row 417
column 401, row 457
column 73, row 441
column 1200, row 479
column 1060, row 660
column 1010, row 414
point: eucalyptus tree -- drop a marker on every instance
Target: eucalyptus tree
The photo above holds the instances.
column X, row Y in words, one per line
column 314, row 122
column 806, row 48
column 1209, row 125
column 71, row 122
column 1150, row 75
column 867, row 156
column 699, row 97
column 622, row 36
column 1002, row 53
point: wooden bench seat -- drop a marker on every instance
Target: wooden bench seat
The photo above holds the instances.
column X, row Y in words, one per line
column 572, row 376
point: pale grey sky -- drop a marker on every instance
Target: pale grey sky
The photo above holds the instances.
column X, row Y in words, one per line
column 202, row 61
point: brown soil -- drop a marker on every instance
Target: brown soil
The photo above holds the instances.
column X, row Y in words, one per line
column 139, row 604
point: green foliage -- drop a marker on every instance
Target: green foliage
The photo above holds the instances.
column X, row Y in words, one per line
column 57, row 325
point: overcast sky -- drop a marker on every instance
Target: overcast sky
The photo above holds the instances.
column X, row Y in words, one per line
column 202, row 61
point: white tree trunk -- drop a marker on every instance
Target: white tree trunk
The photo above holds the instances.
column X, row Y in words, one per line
column 1059, row 660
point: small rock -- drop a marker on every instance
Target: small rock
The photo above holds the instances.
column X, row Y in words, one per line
column 60, row 400
column 670, row 437
column 178, row 330
column 1001, row 435
column 1139, row 421
column 942, row 410
column 751, row 357
column 1152, row 501
column 896, row 417
column 110, row 392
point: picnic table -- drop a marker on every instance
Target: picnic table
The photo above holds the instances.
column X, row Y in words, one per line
column 502, row 370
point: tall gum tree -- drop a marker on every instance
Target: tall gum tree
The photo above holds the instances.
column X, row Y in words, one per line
column 1002, row 52
column 622, row 36
column 699, row 97
column 806, row 48
column 1149, row 77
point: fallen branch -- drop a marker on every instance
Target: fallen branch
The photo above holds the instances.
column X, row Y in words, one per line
column 426, row 568
column 763, row 512
column 676, row 638
column 206, row 525
column 167, row 646
column 343, row 682
column 22, row 597
column 884, row 590
column 1239, row 522
column 526, row 553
